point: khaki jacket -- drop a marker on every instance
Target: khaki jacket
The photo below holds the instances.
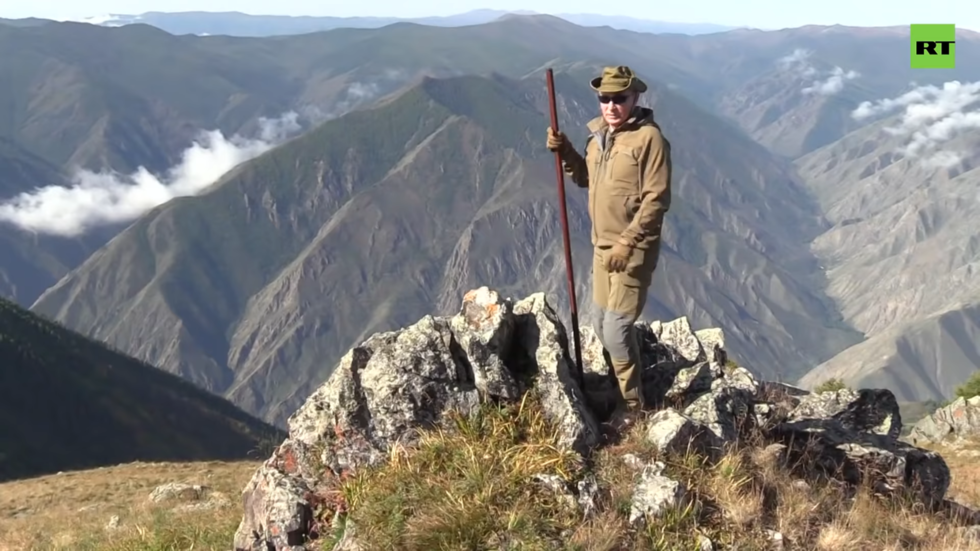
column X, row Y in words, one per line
column 628, row 175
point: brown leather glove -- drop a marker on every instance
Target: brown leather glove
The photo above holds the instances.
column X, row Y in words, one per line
column 557, row 141
column 619, row 257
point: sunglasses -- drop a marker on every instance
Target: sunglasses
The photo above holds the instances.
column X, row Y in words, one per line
column 618, row 99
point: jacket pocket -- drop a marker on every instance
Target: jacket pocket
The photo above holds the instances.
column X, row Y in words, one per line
column 624, row 173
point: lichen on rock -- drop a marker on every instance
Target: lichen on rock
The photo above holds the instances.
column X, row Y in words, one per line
column 396, row 385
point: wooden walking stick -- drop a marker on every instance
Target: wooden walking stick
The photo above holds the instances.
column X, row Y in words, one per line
column 564, row 228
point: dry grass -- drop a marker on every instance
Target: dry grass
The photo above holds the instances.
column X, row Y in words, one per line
column 964, row 465
column 471, row 486
column 70, row 510
column 749, row 492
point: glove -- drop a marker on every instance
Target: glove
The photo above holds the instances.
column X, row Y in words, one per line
column 557, row 141
column 618, row 258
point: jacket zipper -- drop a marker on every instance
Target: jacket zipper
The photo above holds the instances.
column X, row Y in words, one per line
column 600, row 172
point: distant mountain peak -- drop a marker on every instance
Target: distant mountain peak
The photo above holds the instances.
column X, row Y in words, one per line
column 242, row 24
column 502, row 13
column 536, row 18
column 526, row 15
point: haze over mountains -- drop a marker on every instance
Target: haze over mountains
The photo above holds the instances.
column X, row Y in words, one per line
column 241, row 211
column 241, row 24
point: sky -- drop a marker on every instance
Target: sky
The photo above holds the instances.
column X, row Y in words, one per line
column 765, row 14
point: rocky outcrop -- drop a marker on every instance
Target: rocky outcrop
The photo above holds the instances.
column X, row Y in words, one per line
column 397, row 383
column 957, row 420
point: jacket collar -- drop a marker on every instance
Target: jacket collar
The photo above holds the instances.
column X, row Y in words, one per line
column 639, row 116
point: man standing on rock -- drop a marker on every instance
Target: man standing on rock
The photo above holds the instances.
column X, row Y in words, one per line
column 627, row 170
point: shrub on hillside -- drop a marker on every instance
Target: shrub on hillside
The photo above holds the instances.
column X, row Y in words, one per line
column 830, row 385
column 970, row 388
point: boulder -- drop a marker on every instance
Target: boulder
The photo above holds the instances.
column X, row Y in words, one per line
column 395, row 383
column 672, row 432
column 654, row 495
column 191, row 497
column 867, row 410
column 726, row 407
column 959, row 419
column 177, row 491
column 827, row 449
column 679, row 336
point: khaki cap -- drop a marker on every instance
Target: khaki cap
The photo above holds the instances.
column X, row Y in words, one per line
column 619, row 79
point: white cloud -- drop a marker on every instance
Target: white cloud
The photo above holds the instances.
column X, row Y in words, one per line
column 932, row 116
column 278, row 129
column 924, row 101
column 96, row 199
column 799, row 58
column 833, row 84
column 358, row 93
column 825, row 83
column 943, row 159
column 360, row 90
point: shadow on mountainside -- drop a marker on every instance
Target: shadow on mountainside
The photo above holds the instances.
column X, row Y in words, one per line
column 68, row 403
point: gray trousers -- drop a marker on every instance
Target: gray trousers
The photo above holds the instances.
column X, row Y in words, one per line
column 619, row 299
column 615, row 332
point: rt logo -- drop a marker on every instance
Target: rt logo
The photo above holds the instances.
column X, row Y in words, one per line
column 933, row 46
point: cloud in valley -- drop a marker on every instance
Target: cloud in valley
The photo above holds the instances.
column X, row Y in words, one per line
column 101, row 198
column 358, row 93
column 824, row 83
column 932, row 116
column 832, row 84
column 96, row 199
column 798, row 59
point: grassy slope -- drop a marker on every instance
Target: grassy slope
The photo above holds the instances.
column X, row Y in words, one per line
column 67, row 402
column 69, row 511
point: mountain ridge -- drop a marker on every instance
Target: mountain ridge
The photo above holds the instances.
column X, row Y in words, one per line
column 242, row 24
column 902, row 252
column 307, row 280
column 72, row 403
